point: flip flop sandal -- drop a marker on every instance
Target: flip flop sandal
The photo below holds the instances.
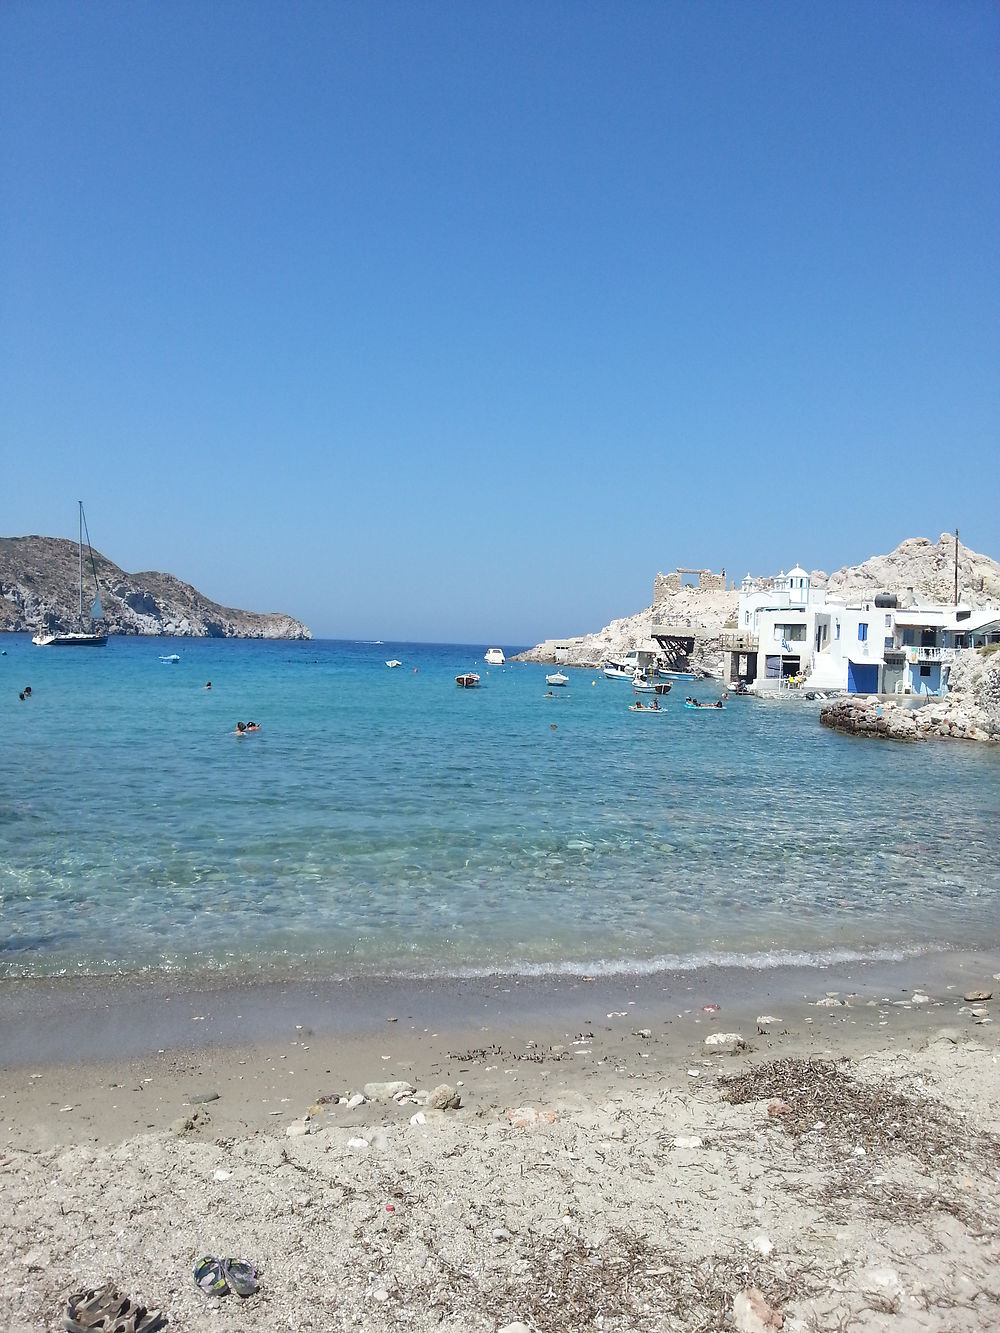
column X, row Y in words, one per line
column 241, row 1276
column 210, row 1277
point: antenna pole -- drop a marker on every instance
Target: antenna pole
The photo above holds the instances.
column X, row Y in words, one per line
column 80, row 503
column 956, row 566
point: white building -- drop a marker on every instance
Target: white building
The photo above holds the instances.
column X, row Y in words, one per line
column 790, row 632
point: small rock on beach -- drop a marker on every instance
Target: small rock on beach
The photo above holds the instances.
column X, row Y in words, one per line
column 725, row 1042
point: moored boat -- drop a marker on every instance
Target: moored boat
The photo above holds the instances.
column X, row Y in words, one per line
column 394, row 662
column 557, row 678
column 468, row 680
column 79, row 638
column 494, row 656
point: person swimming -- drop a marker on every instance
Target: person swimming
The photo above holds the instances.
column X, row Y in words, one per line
column 241, row 728
column 253, row 726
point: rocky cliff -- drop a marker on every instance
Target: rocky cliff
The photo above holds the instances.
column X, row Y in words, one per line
column 928, row 568
column 39, row 589
column 969, row 711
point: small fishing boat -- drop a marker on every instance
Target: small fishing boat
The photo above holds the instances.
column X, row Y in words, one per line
column 393, row 662
column 494, row 657
column 646, row 685
column 468, row 680
column 557, row 678
column 170, row 657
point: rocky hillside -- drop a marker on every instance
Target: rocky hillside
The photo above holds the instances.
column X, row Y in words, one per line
column 969, row 711
column 39, row 589
column 926, row 567
column 703, row 612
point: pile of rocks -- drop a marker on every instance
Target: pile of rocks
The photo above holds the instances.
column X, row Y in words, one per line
column 395, row 1091
column 969, row 711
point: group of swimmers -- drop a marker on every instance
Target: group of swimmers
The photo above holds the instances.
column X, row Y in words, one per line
column 25, row 693
column 696, row 704
column 654, row 707
column 243, row 727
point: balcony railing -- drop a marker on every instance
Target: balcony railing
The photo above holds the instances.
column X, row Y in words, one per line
column 738, row 641
column 930, row 653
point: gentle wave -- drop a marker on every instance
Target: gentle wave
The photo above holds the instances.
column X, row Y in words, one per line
column 311, row 969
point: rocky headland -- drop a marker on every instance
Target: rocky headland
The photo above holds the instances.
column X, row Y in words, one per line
column 702, row 611
column 918, row 566
column 39, row 590
column 969, row 711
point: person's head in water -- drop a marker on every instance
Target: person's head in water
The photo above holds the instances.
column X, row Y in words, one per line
column 241, row 727
column 208, row 684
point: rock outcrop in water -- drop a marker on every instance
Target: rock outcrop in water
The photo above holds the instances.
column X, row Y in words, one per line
column 39, row 589
column 969, row 711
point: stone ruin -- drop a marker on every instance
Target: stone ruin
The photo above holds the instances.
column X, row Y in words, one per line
column 666, row 584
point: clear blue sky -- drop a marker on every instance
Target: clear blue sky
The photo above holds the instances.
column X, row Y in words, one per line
column 459, row 321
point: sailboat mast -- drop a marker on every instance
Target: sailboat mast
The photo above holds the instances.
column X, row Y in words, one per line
column 80, row 503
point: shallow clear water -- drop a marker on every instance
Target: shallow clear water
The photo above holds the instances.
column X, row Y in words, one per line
column 387, row 822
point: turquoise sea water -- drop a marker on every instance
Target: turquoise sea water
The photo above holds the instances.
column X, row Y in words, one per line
column 386, row 822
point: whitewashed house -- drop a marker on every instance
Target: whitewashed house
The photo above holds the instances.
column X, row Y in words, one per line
column 788, row 632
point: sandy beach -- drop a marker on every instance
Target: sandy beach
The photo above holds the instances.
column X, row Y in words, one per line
column 606, row 1168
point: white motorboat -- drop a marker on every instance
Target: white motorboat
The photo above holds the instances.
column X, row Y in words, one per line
column 494, row 657
column 82, row 637
column 170, row 657
column 557, row 678
column 621, row 668
column 643, row 685
column 394, row 662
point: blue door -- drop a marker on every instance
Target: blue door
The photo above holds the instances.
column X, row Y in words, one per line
column 862, row 678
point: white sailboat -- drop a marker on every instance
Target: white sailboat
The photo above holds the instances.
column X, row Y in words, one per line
column 79, row 638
